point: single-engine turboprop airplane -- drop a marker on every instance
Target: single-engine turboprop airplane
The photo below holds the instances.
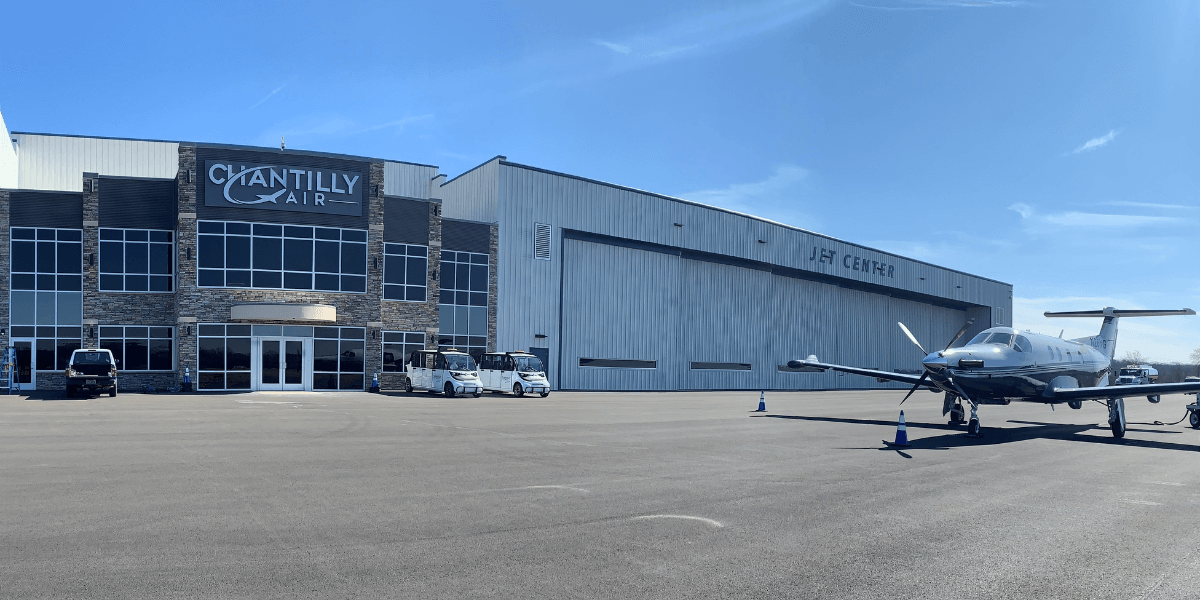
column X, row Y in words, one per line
column 1001, row 365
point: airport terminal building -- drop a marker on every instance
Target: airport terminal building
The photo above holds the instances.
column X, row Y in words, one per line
column 254, row 268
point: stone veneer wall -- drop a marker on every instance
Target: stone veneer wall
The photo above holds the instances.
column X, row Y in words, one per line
column 413, row 316
column 4, row 249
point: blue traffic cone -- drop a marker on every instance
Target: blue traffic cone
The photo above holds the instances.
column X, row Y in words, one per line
column 375, row 383
column 901, row 434
column 187, row 380
column 762, row 401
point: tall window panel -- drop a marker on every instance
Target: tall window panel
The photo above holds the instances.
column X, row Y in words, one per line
column 339, row 358
column 137, row 260
column 462, row 310
column 397, row 346
column 140, row 348
column 405, row 272
column 290, row 257
column 224, row 357
column 46, row 298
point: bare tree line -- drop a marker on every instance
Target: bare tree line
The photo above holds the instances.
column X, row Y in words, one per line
column 1168, row 372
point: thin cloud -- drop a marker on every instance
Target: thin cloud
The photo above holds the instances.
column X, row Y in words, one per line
column 619, row 48
column 268, row 96
column 1080, row 222
column 939, row 4
column 774, row 197
column 1150, row 205
column 397, row 123
column 1095, row 143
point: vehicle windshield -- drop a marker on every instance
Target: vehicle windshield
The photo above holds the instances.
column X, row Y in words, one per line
column 91, row 357
column 1131, row 372
column 528, row 364
column 460, row 362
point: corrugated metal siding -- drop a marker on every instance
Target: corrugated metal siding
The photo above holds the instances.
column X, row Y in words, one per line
column 53, row 162
column 634, row 304
column 217, row 213
column 530, row 295
column 403, row 179
column 45, row 209
column 137, row 203
column 405, row 221
column 465, row 236
column 473, row 194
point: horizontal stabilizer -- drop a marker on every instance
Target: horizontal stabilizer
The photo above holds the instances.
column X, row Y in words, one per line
column 1116, row 312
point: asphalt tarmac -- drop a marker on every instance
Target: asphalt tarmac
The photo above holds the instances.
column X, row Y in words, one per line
column 591, row 495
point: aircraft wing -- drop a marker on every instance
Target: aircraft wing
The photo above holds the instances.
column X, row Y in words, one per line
column 1124, row 391
column 820, row 366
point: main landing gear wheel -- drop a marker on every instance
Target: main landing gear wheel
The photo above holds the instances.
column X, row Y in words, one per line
column 973, row 427
column 518, row 390
column 1194, row 419
column 1154, row 399
column 1075, row 404
column 408, row 389
column 957, row 414
column 1116, row 417
column 448, row 390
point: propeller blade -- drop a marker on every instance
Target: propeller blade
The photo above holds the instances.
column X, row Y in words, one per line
column 915, row 386
column 959, row 334
column 914, row 339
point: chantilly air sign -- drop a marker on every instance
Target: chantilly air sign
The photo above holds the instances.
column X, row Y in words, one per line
column 274, row 187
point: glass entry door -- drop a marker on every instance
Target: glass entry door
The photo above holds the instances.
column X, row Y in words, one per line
column 283, row 364
column 25, row 371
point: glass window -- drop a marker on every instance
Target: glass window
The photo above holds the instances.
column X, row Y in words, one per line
column 281, row 257
column 397, row 345
column 224, row 357
column 142, row 260
column 53, row 266
column 463, row 303
column 405, row 272
column 142, row 348
column 1022, row 344
column 1000, row 339
column 339, row 358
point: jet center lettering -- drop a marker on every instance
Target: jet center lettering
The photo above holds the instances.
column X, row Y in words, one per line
column 276, row 187
column 853, row 263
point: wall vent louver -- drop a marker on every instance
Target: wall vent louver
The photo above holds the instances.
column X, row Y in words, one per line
column 541, row 241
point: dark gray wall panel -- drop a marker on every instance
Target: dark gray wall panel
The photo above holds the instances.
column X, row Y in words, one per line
column 465, row 237
column 137, row 203
column 214, row 213
column 46, row 209
column 405, row 221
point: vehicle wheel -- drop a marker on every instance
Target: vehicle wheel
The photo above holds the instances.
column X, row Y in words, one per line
column 408, row 389
column 1194, row 419
column 973, row 427
column 112, row 391
column 448, row 390
column 544, row 394
column 1154, row 399
column 478, row 394
column 518, row 390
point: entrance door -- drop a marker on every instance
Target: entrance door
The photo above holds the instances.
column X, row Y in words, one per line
column 25, row 370
column 284, row 364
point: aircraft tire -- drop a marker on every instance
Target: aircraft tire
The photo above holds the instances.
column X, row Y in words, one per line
column 973, row 427
column 957, row 414
column 1116, row 418
column 1154, row 399
column 1075, row 404
column 1194, row 419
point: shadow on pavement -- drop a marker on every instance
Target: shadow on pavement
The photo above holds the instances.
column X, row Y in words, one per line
column 995, row 436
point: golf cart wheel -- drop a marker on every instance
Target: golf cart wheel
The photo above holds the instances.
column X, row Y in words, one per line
column 544, row 394
column 408, row 388
column 518, row 390
column 448, row 390
column 478, row 394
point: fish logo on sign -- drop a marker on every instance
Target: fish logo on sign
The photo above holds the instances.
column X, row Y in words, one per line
column 316, row 190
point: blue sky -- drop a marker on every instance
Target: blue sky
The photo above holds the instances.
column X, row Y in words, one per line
column 1051, row 145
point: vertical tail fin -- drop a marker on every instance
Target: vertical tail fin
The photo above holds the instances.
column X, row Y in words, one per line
column 1106, row 340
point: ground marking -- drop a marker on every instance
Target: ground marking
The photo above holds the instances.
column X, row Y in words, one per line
column 1174, row 483
column 1142, row 502
column 556, row 487
column 687, row 517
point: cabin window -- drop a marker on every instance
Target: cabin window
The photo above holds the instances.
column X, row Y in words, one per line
column 1000, row 339
column 1022, row 344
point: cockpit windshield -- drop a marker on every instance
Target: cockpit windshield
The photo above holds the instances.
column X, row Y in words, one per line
column 460, row 362
column 998, row 338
